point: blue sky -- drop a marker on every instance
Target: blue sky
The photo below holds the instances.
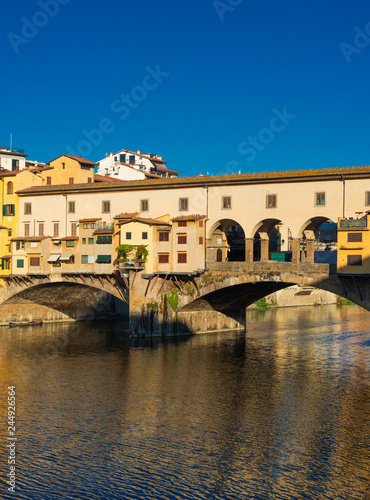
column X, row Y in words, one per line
column 214, row 86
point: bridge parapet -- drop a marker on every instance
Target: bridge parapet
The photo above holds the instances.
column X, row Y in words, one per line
column 273, row 266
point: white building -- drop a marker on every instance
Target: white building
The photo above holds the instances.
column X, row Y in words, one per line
column 12, row 160
column 133, row 165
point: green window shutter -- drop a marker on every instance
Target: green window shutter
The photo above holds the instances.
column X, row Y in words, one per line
column 4, row 210
column 2, row 264
column 20, row 263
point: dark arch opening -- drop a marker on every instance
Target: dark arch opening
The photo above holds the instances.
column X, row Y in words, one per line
column 76, row 301
column 226, row 242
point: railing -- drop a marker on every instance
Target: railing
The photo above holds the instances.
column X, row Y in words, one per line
column 347, row 223
column 100, row 226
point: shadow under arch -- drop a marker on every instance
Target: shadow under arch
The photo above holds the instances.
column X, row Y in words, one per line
column 226, row 241
column 75, row 300
column 311, row 226
column 266, row 238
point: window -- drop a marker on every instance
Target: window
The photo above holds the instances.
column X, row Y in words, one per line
column 104, row 259
column 93, row 225
column 271, row 201
column 34, row 261
column 352, row 237
column 15, row 164
column 132, row 159
column 18, row 245
column 9, row 188
column 90, row 259
column 367, row 198
column 8, row 210
column 106, row 207
column 182, row 258
column 128, row 235
column 27, row 208
column 84, row 259
column 84, row 241
column 91, row 241
column 26, row 230
column 104, row 239
column 200, row 223
column 163, row 258
column 354, row 260
column 70, row 243
column 226, row 202
column 48, row 181
column 144, row 205
column 20, row 263
column 182, row 239
column 41, row 229
column 56, row 229
column 34, row 244
column 320, row 199
column 73, row 229
column 63, row 166
column 89, row 180
column 115, row 158
column 10, row 231
column 200, row 240
column 86, row 226
column 183, row 204
column 71, row 207
column 164, row 235
column 71, row 180
column 182, row 223
column 122, row 158
column 144, row 235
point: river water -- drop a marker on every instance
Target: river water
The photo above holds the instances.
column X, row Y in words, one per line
column 278, row 412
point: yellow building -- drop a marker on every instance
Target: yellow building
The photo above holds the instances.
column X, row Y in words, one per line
column 354, row 245
column 175, row 245
column 67, row 169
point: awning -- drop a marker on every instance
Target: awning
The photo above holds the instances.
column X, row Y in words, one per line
column 54, row 257
column 5, row 257
column 66, row 256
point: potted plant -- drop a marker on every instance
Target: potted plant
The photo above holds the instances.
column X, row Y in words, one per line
column 141, row 254
column 125, row 254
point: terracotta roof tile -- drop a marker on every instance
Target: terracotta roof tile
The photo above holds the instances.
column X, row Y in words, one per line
column 126, row 215
column 93, row 219
column 30, row 238
column 250, row 178
column 148, row 220
column 188, row 217
column 69, row 238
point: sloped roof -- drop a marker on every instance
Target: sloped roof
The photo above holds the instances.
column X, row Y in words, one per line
column 188, row 217
column 77, row 158
column 227, row 179
column 148, row 220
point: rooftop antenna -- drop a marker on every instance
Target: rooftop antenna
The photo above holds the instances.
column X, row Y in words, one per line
column 11, row 141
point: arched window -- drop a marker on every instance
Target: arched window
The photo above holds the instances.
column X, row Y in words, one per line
column 9, row 188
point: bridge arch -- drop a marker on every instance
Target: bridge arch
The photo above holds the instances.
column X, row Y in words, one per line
column 226, row 241
column 67, row 299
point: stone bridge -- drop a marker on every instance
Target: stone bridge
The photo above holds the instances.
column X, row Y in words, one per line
column 63, row 297
column 173, row 303
column 217, row 298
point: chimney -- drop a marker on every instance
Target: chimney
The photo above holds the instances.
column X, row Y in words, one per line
column 159, row 157
column 138, row 151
